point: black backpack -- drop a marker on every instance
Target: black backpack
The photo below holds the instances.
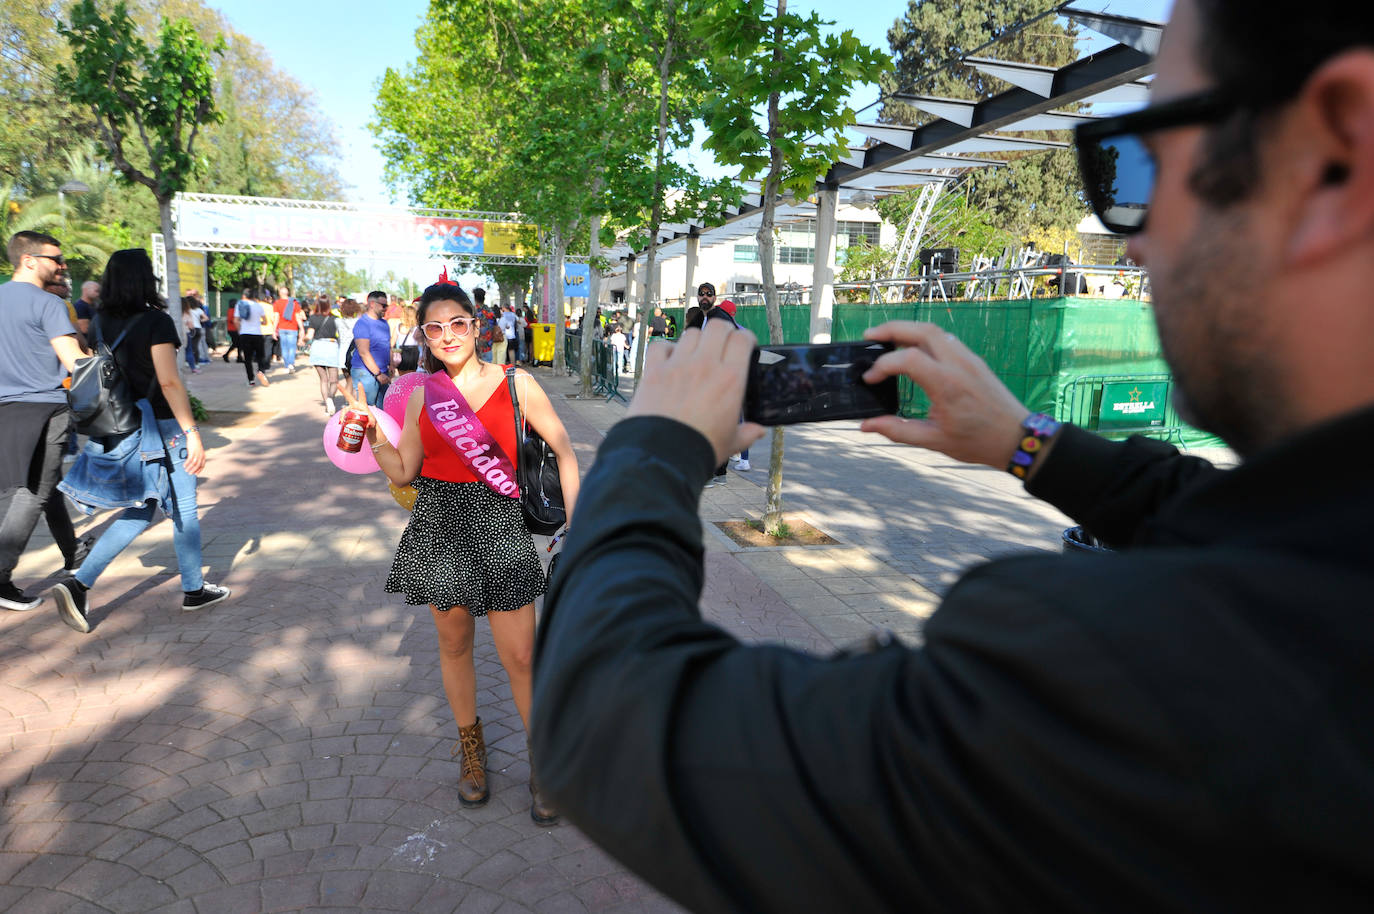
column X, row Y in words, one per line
column 100, row 399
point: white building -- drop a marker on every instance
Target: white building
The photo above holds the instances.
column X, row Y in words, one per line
column 728, row 258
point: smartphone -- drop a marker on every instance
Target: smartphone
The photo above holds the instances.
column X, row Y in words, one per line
column 817, row 382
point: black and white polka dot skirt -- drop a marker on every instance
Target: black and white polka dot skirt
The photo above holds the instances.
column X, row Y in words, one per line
column 466, row 546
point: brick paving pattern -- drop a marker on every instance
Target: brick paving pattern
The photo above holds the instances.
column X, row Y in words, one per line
column 290, row 748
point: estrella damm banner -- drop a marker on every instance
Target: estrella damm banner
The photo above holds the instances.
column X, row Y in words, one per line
column 1133, row 404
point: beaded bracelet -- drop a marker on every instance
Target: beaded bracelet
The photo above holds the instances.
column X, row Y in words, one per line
column 1038, row 428
column 189, row 430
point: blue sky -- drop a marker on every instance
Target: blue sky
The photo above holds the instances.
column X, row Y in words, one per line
column 340, row 50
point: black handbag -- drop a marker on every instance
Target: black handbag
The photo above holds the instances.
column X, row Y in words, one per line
column 536, row 471
column 102, row 404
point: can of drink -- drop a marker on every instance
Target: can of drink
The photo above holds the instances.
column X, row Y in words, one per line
column 351, row 431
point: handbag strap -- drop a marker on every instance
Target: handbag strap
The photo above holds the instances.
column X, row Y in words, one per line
column 515, row 406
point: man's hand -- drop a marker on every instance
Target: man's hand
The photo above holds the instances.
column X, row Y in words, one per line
column 973, row 417
column 699, row 381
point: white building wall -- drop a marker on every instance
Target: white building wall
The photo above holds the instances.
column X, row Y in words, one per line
column 716, row 262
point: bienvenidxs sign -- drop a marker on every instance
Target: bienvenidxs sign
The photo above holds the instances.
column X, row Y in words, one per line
column 253, row 225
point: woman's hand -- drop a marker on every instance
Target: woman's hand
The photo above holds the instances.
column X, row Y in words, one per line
column 195, row 453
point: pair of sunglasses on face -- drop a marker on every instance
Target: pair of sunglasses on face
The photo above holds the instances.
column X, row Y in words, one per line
column 461, row 326
column 1117, row 168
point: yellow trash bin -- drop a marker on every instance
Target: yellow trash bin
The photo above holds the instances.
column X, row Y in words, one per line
column 543, row 343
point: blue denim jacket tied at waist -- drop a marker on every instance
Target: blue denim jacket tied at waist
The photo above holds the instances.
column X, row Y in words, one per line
column 131, row 471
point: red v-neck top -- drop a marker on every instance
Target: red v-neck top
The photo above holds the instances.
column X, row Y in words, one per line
column 443, row 462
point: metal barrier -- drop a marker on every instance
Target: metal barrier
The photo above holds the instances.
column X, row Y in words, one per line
column 607, row 372
column 1122, row 405
column 572, row 352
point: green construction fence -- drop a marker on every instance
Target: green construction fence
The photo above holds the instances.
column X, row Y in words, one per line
column 1067, row 357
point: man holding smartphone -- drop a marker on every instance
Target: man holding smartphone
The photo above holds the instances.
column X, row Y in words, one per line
column 1180, row 725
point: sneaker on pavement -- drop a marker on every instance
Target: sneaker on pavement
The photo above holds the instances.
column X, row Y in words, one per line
column 207, row 595
column 743, row 465
column 71, row 603
column 83, row 549
column 716, row 481
column 12, row 597
column 262, row 379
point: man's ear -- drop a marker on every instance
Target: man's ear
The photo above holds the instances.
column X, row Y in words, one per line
column 1335, row 160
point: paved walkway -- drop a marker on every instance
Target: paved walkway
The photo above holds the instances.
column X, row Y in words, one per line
column 289, row 748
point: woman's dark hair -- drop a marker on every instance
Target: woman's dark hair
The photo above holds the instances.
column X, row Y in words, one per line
column 129, row 285
column 321, row 307
column 350, row 308
column 695, row 317
column 441, row 291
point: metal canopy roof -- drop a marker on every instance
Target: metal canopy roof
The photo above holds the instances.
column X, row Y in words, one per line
column 897, row 154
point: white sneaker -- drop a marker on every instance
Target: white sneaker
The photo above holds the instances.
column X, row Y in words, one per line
column 743, row 465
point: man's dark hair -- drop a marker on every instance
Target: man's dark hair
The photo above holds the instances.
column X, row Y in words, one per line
column 480, row 295
column 1264, row 61
column 129, row 285
column 26, row 242
column 377, row 296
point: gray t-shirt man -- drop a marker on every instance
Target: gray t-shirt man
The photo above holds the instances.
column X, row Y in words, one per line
column 30, row 371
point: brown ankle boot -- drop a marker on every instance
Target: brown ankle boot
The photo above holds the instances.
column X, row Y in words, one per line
column 541, row 810
column 472, row 786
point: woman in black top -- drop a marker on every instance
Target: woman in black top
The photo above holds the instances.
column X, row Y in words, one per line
column 148, row 360
column 322, row 338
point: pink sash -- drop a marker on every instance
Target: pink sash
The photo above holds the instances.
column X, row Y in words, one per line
column 460, row 428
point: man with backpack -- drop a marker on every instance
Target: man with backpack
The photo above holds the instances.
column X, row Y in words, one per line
column 37, row 348
column 254, row 342
column 288, row 327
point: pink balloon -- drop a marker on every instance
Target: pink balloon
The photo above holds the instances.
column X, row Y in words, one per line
column 363, row 461
column 398, row 393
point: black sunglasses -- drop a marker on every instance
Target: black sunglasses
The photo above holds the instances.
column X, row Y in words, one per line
column 1119, row 171
column 55, row 258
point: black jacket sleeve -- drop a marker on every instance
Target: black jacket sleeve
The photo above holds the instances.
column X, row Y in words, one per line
column 1113, row 488
column 735, row 778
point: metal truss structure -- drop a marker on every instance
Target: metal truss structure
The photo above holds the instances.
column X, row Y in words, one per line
column 304, row 250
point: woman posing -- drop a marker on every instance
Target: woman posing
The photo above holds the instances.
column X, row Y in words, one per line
column 466, row 551
column 322, row 335
column 148, row 360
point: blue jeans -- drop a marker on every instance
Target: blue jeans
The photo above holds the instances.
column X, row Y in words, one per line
column 371, row 387
column 288, row 346
column 192, row 348
column 133, row 521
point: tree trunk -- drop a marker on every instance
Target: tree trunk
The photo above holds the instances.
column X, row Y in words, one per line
column 560, row 249
column 173, row 289
column 585, row 366
column 665, row 65
column 772, row 510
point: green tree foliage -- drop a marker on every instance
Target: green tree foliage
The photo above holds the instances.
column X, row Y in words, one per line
column 272, row 141
column 652, row 55
column 1035, row 190
column 497, row 114
column 782, row 118
column 153, row 98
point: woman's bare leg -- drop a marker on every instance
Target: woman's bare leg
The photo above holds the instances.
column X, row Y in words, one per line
column 455, row 628
column 513, row 633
